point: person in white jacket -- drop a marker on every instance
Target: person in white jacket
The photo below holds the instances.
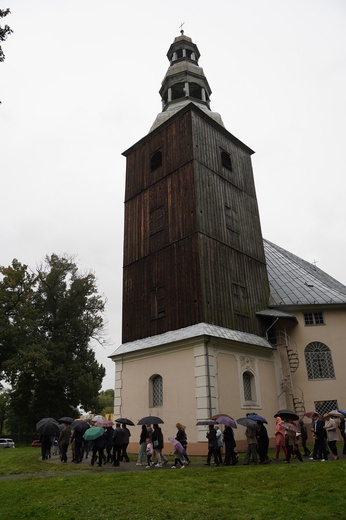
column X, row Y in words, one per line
column 332, row 435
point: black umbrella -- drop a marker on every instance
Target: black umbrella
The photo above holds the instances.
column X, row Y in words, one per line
column 150, row 419
column 207, row 422
column 288, row 414
column 66, row 420
column 125, row 420
column 80, row 426
column 47, row 426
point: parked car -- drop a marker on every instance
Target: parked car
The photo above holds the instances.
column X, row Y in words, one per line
column 36, row 444
column 6, row 443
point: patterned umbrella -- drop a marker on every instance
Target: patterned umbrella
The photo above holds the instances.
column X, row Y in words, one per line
column 104, row 424
column 289, row 426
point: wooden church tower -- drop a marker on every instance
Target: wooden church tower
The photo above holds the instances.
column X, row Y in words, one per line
column 193, row 248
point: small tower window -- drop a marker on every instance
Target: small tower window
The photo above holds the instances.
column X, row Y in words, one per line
column 226, row 160
column 155, row 161
column 178, row 90
column 195, row 91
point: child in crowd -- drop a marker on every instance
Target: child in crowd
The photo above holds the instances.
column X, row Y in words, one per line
column 149, row 452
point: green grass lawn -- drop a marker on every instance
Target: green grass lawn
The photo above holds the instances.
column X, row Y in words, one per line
column 312, row 490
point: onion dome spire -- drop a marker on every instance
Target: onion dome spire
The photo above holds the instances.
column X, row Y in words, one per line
column 184, row 81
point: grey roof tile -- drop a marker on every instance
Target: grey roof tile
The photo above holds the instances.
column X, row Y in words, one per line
column 201, row 329
column 294, row 281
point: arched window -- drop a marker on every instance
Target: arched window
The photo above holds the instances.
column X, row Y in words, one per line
column 319, row 363
column 248, row 386
column 156, row 391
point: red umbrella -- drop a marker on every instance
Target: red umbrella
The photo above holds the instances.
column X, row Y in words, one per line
column 309, row 414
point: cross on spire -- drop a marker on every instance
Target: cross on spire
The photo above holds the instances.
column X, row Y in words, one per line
column 181, row 28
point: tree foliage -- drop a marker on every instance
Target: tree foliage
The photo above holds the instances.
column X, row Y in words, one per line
column 47, row 321
column 105, row 402
column 4, row 31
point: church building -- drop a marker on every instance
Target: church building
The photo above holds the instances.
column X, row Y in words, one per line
column 215, row 318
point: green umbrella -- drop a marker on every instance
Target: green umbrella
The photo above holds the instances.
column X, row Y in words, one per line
column 93, row 433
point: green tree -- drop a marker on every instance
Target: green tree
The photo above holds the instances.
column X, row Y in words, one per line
column 4, row 31
column 105, row 402
column 47, row 320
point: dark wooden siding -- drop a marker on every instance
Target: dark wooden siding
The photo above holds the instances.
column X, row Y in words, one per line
column 193, row 248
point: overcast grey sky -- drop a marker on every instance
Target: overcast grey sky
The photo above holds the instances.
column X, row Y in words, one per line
column 80, row 85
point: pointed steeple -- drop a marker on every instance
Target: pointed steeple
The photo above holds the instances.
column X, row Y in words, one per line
column 184, row 81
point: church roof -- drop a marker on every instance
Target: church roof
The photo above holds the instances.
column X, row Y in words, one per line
column 294, row 281
column 201, row 329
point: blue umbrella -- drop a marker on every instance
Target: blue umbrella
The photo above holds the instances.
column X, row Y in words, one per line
column 342, row 411
column 256, row 417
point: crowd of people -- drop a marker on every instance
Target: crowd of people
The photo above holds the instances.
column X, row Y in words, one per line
column 111, row 447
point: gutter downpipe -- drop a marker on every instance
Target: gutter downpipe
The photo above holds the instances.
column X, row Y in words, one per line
column 208, row 376
column 268, row 329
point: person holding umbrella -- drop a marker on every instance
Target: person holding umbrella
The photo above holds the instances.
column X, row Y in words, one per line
column 63, row 441
column 157, row 440
column 320, row 438
column 182, row 438
column 118, row 440
column 251, row 438
column 142, row 445
column 126, row 440
column 230, row 444
column 212, row 446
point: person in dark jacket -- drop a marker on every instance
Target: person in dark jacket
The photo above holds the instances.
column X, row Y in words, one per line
column 212, row 446
column 142, row 445
column 109, row 443
column 126, row 440
column 63, row 441
column 262, row 443
column 118, row 441
column 99, row 445
column 157, row 440
column 46, row 444
column 77, row 437
column 230, row 444
column 304, row 437
column 320, row 435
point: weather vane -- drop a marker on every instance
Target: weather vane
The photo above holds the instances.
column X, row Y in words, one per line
column 181, row 28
